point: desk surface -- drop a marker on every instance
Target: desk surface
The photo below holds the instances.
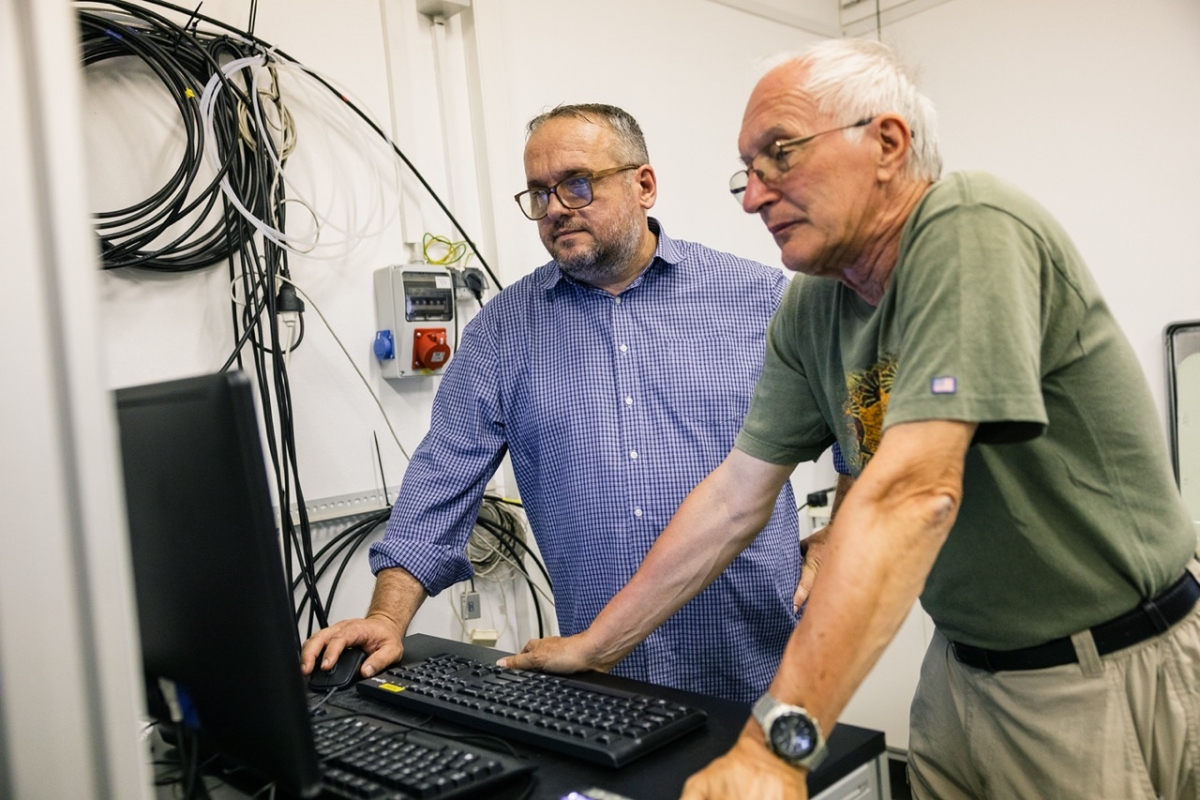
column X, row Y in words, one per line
column 663, row 772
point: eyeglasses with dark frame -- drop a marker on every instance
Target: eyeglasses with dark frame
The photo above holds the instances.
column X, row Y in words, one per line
column 776, row 159
column 573, row 192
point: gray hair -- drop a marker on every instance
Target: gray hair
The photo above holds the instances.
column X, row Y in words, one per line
column 853, row 79
column 631, row 144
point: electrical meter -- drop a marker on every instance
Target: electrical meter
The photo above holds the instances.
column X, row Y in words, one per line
column 414, row 314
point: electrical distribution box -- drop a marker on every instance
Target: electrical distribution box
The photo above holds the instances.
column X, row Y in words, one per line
column 414, row 315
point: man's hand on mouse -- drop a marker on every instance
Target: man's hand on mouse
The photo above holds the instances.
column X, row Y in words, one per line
column 377, row 636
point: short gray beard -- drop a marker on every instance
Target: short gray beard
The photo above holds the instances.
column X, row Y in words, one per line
column 606, row 262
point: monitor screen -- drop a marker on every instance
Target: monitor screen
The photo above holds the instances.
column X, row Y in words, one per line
column 213, row 605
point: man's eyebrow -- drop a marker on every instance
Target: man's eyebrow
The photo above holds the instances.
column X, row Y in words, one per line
column 780, row 133
column 770, row 137
column 557, row 178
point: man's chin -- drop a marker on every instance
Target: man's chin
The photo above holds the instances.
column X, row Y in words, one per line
column 792, row 261
column 800, row 257
column 574, row 257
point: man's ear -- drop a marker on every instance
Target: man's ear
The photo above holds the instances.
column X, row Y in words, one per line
column 647, row 183
column 895, row 144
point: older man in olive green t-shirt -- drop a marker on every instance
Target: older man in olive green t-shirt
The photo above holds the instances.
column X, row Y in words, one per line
column 1010, row 471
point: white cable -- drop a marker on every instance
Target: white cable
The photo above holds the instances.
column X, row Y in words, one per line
column 506, row 557
column 353, row 230
column 289, row 319
column 233, row 289
column 212, row 90
column 392, row 109
column 504, row 616
column 286, row 125
column 484, row 556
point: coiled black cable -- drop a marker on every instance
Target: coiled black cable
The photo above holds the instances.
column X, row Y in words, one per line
column 344, row 544
column 145, row 233
column 250, row 43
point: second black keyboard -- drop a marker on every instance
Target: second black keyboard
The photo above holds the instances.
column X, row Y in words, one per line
column 376, row 760
column 595, row 723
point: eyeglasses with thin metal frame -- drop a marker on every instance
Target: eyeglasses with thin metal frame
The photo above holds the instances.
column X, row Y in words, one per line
column 774, row 159
column 573, row 192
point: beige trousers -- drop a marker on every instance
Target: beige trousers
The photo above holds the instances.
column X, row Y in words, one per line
column 1125, row 726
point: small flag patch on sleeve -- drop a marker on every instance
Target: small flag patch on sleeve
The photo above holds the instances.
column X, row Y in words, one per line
column 946, row 384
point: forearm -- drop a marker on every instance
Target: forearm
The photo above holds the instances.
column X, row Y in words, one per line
column 717, row 520
column 884, row 541
column 396, row 598
column 844, row 631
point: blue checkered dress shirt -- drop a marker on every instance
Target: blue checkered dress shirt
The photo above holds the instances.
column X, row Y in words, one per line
column 612, row 408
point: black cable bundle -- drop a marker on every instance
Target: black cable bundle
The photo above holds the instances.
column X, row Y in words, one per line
column 184, row 60
column 343, row 544
column 497, row 530
column 244, row 43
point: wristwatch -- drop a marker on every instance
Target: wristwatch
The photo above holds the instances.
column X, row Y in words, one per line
column 791, row 733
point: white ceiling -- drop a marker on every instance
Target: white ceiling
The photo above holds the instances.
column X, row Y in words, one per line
column 833, row 17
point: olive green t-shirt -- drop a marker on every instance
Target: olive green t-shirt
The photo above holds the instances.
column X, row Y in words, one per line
column 1070, row 514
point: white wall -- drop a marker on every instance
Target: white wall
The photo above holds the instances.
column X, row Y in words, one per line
column 1090, row 106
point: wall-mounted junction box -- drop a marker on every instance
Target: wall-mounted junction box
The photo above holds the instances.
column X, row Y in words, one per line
column 414, row 315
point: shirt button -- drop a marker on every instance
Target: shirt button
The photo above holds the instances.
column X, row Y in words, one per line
column 624, row 347
column 617, row 300
column 628, row 401
column 637, row 512
column 633, row 453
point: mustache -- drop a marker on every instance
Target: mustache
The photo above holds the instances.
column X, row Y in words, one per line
column 566, row 226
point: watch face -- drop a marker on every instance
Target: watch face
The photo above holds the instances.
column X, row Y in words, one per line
column 794, row 736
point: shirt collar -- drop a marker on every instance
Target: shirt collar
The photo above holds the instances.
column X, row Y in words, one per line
column 666, row 251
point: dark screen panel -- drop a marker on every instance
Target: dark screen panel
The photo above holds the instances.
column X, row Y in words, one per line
column 213, row 604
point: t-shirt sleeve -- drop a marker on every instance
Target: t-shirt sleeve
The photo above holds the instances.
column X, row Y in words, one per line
column 970, row 302
column 784, row 424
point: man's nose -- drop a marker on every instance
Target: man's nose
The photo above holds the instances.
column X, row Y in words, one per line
column 756, row 194
column 555, row 207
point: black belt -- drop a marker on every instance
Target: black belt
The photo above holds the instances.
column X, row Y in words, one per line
column 1151, row 618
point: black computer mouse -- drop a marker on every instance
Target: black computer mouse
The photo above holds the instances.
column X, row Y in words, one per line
column 344, row 672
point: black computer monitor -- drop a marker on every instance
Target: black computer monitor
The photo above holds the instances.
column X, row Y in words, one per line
column 213, row 604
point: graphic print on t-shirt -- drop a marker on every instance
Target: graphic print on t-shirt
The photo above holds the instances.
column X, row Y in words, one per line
column 867, row 393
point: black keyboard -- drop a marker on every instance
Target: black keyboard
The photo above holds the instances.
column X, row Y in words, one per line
column 373, row 759
column 599, row 724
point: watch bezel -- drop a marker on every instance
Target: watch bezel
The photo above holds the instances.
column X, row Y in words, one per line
column 770, row 713
column 790, row 727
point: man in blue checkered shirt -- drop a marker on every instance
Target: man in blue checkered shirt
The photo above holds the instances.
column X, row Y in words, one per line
column 616, row 376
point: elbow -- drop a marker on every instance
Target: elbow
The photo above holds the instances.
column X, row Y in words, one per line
column 927, row 507
column 943, row 509
column 938, row 509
